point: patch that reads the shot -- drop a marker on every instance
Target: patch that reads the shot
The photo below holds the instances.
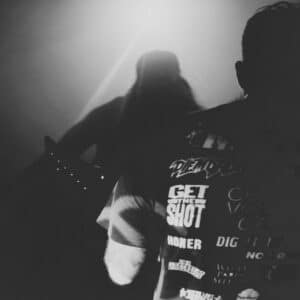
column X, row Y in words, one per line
column 185, row 205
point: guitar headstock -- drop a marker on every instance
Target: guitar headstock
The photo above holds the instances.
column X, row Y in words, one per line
column 83, row 175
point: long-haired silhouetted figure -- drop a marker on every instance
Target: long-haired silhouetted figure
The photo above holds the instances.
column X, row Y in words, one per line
column 55, row 218
column 158, row 97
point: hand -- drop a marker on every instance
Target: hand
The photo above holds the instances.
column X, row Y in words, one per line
column 248, row 294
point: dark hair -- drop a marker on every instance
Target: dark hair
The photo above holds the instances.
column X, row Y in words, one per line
column 157, row 61
column 270, row 30
column 158, row 96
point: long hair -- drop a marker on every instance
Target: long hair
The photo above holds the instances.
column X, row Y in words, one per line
column 158, row 96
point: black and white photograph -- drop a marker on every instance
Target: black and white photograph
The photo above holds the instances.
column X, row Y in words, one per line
column 150, row 149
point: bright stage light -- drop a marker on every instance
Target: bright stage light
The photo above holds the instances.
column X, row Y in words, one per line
column 158, row 20
column 157, row 15
column 195, row 30
column 151, row 23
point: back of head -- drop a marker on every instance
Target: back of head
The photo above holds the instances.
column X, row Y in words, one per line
column 156, row 68
column 271, row 47
column 158, row 96
column 159, row 89
column 270, row 70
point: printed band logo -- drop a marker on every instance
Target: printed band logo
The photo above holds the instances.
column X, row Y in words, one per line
column 197, row 295
column 239, row 204
column 186, row 266
column 184, row 243
column 235, row 199
column 185, row 205
column 209, row 167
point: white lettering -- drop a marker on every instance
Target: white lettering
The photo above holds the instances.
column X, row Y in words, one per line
column 188, row 191
column 197, row 295
column 171, row 208
column 209, row 167
column 227, row 241
column 186, row 266
column 176, row 191
column 254, row 255
column 189, row 216
column 185, row 205
column 183, row 243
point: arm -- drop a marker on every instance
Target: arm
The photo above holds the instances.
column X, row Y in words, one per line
column 95, row 127
column 128, row 219
column 79, row 137
column 123, row 262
